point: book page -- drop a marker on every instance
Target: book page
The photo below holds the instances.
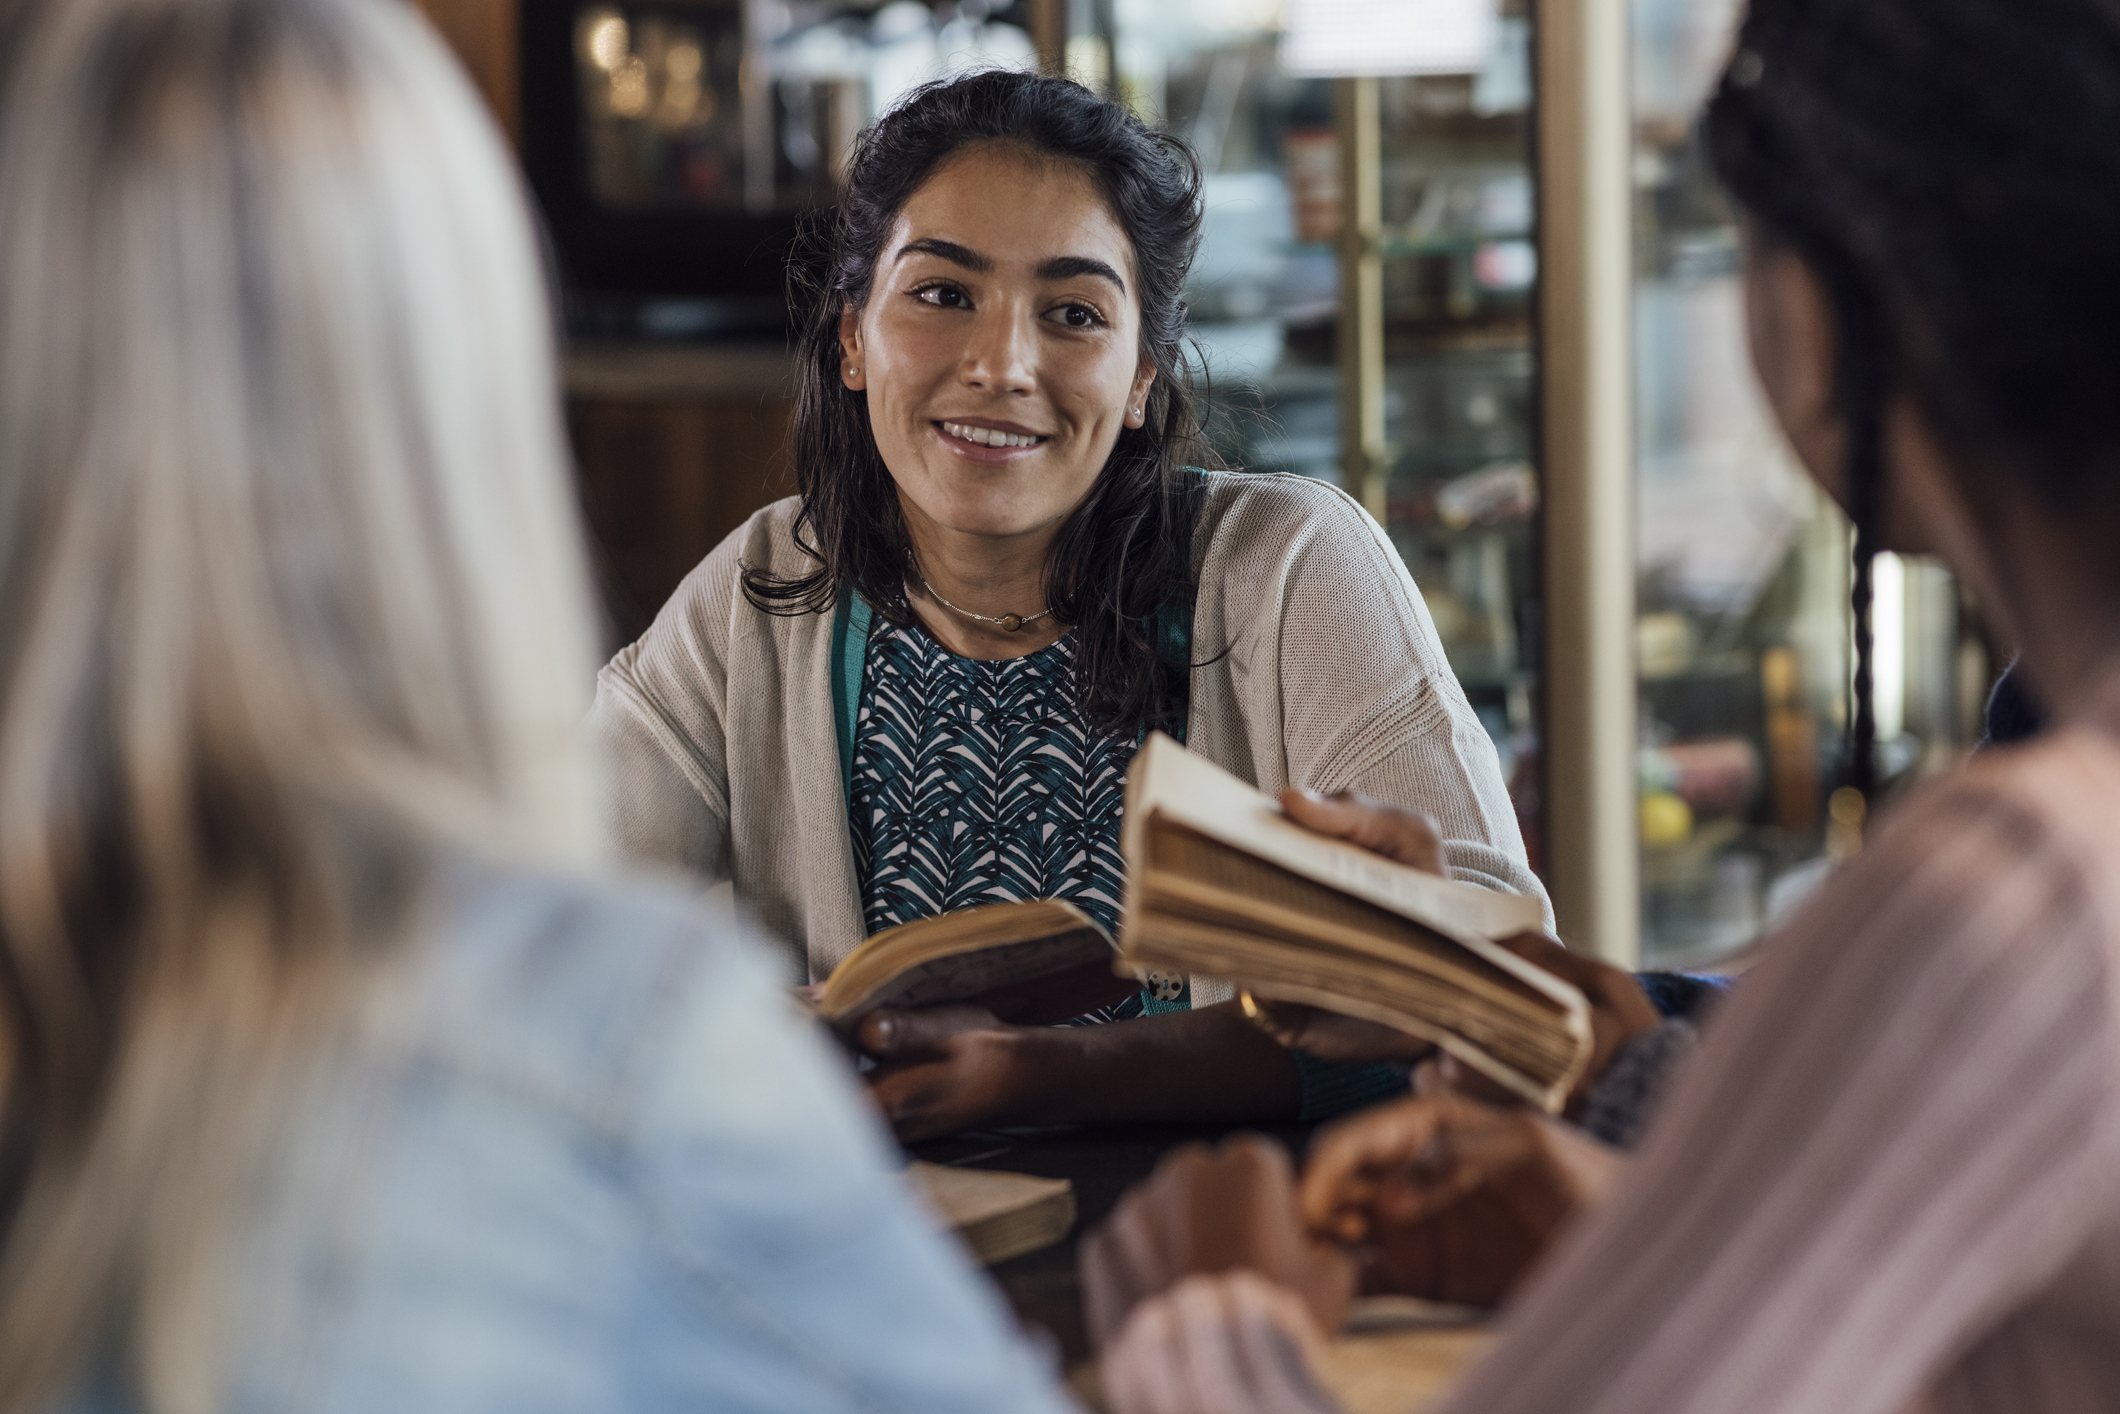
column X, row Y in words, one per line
column 1215, row 882
column 910, row 946
column 961, row 976
column 1329, row 952
column 1168, row 781
column 1546, row 1044
column 1538, row 1062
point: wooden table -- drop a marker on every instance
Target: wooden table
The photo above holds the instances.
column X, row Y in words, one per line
column 1102, row 1163
column 1380, row 1371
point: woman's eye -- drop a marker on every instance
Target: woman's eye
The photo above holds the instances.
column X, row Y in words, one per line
column 942, row 297
column 1078, row 316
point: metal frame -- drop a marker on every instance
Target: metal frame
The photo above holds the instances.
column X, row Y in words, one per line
column 1586, row 361
column 1360, row 327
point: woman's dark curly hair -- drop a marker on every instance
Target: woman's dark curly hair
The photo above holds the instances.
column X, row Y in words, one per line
column 1949, row 170
column 1126, row 552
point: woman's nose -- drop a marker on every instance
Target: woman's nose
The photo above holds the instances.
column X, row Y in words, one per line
column 1002, row 355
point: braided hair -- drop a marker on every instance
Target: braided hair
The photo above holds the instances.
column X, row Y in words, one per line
column 1948, row 169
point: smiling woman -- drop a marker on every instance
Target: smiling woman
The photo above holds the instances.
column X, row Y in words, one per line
column 917, row 685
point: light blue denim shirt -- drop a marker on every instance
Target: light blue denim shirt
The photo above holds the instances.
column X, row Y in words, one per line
column 602, row 1166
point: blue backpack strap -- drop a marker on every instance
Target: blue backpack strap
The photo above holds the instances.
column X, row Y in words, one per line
column 1172, row 632
column 1173, row 639
column 850, row 648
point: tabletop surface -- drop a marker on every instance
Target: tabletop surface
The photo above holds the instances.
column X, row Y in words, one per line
column 1102, row 1162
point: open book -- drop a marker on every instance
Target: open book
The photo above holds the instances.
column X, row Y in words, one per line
column 1032, row 964
column 1220, row 883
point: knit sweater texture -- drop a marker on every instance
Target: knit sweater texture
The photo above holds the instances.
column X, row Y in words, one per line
column 720, row 735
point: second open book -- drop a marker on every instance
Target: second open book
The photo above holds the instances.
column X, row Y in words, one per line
column 1219, row 883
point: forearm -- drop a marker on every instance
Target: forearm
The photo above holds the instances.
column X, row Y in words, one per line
column 1209, row 1066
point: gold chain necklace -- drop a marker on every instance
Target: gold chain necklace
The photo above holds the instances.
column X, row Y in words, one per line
column 1007, row 623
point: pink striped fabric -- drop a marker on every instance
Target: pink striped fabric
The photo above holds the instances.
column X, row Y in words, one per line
column 1891, row 1179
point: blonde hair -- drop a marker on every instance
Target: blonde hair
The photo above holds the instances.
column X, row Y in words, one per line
column 291, row 603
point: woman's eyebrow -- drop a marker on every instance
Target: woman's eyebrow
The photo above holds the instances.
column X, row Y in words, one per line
column 1066, row 267
column 1060, row 267
column 954, row 253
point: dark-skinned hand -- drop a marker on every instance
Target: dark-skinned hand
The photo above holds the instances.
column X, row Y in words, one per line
column 1619, row 1009
column 1451, row 1199
column 942, row 1069
column 1210, row 1210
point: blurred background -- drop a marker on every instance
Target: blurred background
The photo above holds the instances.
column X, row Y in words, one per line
column 1368, row 309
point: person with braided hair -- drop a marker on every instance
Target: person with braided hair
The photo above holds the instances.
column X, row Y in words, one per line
column 1886, row 1180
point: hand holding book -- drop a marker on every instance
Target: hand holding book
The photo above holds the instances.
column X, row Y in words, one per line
column 1616, row 1005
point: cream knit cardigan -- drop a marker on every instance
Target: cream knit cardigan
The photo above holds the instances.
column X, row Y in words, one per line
column 719, row 728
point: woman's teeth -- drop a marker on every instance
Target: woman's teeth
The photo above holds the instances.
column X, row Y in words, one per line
column 988, row 437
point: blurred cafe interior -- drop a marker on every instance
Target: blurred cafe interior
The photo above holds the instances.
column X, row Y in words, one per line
column 1493, row 294
column 1159, row 706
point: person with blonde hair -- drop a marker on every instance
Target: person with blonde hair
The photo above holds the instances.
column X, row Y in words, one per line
column 334, row 1075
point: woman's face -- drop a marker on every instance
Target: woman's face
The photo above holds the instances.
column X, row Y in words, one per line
column 1000, row 348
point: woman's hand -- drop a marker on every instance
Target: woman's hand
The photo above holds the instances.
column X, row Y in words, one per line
column 1454, row 1199
column 1404, row 836
column 942, row 1069
column 1619, row 1009
column 1230, row 1344
column 1204, row 1211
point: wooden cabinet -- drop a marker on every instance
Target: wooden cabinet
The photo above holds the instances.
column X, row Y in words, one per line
column 484, row 35
column 675, row 445
column 675, row 448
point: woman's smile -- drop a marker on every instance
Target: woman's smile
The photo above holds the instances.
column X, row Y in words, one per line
column 982, row 439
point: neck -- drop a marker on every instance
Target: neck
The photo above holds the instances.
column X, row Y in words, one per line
column 2068, row 637
column 991, row 575
column 2046, row 582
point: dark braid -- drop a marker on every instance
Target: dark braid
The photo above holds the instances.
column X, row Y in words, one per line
column 1860, row 381
column 1948, row 170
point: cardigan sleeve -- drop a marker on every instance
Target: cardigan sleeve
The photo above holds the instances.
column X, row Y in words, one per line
column 1332, row 650
column 660, row 716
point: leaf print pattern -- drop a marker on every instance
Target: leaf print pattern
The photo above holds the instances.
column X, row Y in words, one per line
column 980, row 782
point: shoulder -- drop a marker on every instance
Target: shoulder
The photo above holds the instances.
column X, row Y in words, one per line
column 2054, row 798
column 708, row 606
column 1265, row 528
column 1254, row 510
column 1298, row 552
column 2004, row 867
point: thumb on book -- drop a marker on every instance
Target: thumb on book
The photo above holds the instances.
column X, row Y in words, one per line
column 887, row 1033
column 1404, row 836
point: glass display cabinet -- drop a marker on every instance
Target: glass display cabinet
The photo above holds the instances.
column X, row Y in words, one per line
column 1532, row 372
column 1742, row 629
column 1421, row 185
column 675, row 146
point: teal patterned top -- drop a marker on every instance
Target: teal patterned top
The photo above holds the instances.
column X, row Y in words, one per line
column 972, row 782
column 980, row 782
column 976, row 782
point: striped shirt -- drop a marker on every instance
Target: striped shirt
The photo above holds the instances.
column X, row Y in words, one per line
column 1891, row 1180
